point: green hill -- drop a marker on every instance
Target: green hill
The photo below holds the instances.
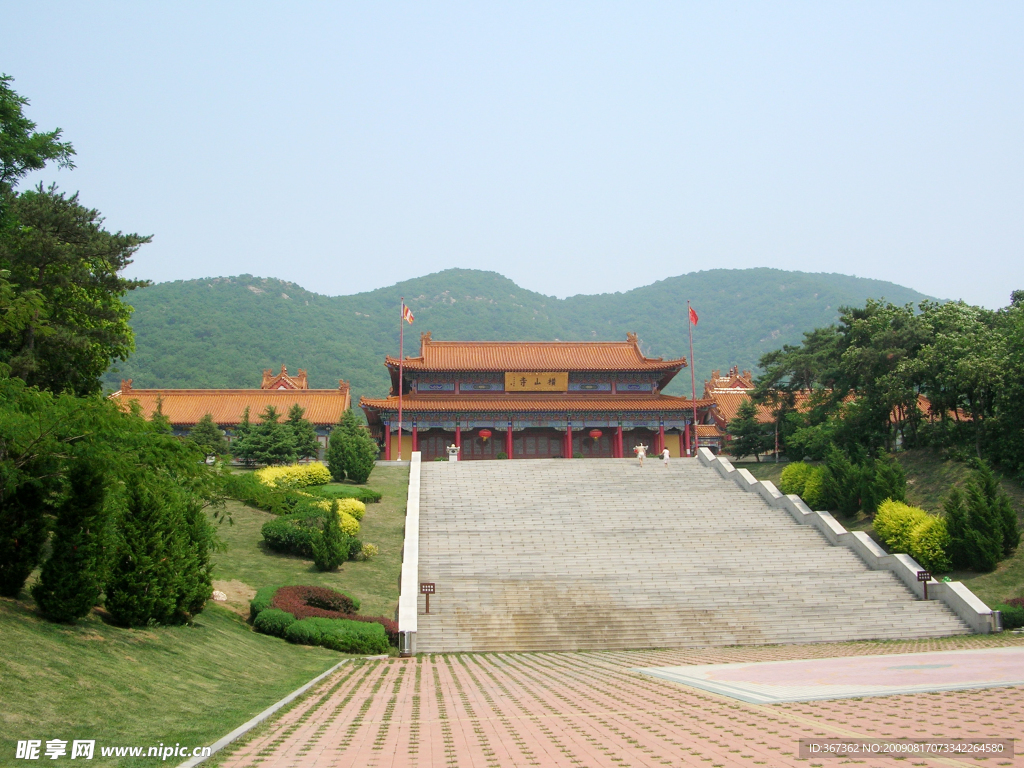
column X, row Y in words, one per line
column 222, row 332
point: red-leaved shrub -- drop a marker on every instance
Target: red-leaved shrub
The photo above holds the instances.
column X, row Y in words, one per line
column 1016, row 602
column 307, row 602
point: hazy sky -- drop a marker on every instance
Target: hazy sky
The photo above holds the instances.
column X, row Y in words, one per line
column 574, row 147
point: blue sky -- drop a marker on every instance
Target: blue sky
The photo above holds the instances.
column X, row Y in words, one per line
column 574, row 147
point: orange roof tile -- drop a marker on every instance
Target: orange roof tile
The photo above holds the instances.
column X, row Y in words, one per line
column 729, row 405
column 186, row 407
column 534, row 356
column 506, row 403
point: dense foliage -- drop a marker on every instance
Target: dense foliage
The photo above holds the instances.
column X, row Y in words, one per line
column 208, row 437
column 226, row 330
column 861, row 384
column 351, row 452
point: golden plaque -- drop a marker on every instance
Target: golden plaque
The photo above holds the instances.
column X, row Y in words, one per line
column 535, row 381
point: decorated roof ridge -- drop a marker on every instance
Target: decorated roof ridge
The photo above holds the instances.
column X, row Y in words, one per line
column 283, row 381
column 533, row 355
column 123, row 392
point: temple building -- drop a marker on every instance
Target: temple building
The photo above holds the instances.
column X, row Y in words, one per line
column 533, row 400
column 185, row 407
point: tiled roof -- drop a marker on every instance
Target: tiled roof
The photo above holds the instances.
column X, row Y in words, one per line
column 708, row 430
column 531, row 402
column 186, row 407
column 534, row 356
column 729, row 405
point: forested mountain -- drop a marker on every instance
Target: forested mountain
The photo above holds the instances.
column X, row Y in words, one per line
column 222, row 332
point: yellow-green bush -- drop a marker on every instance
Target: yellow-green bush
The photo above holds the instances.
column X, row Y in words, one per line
column 294, row 476
column 353, row 507
column 912, row 530
column 794, row 477
column 894, row 522
column 814, row 488
column 929, row 544
column 349, row 524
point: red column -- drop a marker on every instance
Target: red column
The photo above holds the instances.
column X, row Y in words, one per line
column 686, row 439
column 508, row 440
column 661, row 439
column 618, row 442
column 387, row 442
column 415, row 438
column 458, row 437
column 568, row 441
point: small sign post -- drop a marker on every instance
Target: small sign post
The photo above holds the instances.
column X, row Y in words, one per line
column 924, row 577
column 427, row 588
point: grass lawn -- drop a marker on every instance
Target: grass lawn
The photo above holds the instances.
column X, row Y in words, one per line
column 247, row 565
column 929, row 478
column 139, row 687
column 192, row 684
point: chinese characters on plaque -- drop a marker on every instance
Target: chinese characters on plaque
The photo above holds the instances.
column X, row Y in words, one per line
column 537, row 381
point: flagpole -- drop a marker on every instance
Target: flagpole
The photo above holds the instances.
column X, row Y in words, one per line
column 693, row 377
column 401, row 360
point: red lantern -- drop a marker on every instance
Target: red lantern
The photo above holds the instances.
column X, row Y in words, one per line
column 595, row 433
column 485, row 434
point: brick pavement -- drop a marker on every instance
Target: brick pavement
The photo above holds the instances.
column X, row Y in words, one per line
column 591, row 709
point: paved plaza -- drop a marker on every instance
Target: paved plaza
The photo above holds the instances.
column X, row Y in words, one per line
column 594, row 709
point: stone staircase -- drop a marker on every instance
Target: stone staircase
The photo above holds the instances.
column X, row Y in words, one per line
column 539, row 555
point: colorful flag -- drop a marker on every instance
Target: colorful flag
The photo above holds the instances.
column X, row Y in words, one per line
column 693, row 316
column 407, row 314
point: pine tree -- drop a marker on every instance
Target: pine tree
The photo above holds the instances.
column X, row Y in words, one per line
column 330, row 549
column 240, row 443
column 361, row 454
column 304, row 434
column 270, row 442
column 143, row 582
column 208, row 437
column 841, row 482
column 160, row 422
column 71, row 579
column 336, row 454
column 958, row 527
column 749, row 436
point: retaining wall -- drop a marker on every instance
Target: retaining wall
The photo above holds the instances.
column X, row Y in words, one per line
column 954, row 594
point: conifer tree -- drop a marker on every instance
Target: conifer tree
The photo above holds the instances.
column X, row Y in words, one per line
column 749, row 436
column 361, row 454
column 304, row 434
column 330, row 549
column 240, row 445
column 270, row 442
column 346, row 430
column 71, row 579
column 160, row 422
column 958, row 528
column 208, row 437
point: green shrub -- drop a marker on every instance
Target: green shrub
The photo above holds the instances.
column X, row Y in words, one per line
column 340, row 635
column 929, row 544
column 305, row 632
column 273, row 621
column 895, row 522
column 501, row 455
column 361, row 454
column 261, row 601
column 884, row 479
column 794, row 477
column 296, row 533
column 842, row 481
column 1013, row 615
column 331, row 547
column 249, row 490
column 365, row 495
column 294, row 476
column 814, row 492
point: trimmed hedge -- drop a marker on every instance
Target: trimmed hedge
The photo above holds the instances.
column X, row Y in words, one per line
column 294, row 476
column 320, row 616
column 304, row 602
column 1013, row 613
column 365, row 495
column 273, row 621
column 261, row 601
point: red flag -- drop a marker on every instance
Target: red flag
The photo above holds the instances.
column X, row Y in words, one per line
column 693, row 316
column 407, row 314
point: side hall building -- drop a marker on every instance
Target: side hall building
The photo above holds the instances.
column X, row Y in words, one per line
column 185, row 407
column 533, row 400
